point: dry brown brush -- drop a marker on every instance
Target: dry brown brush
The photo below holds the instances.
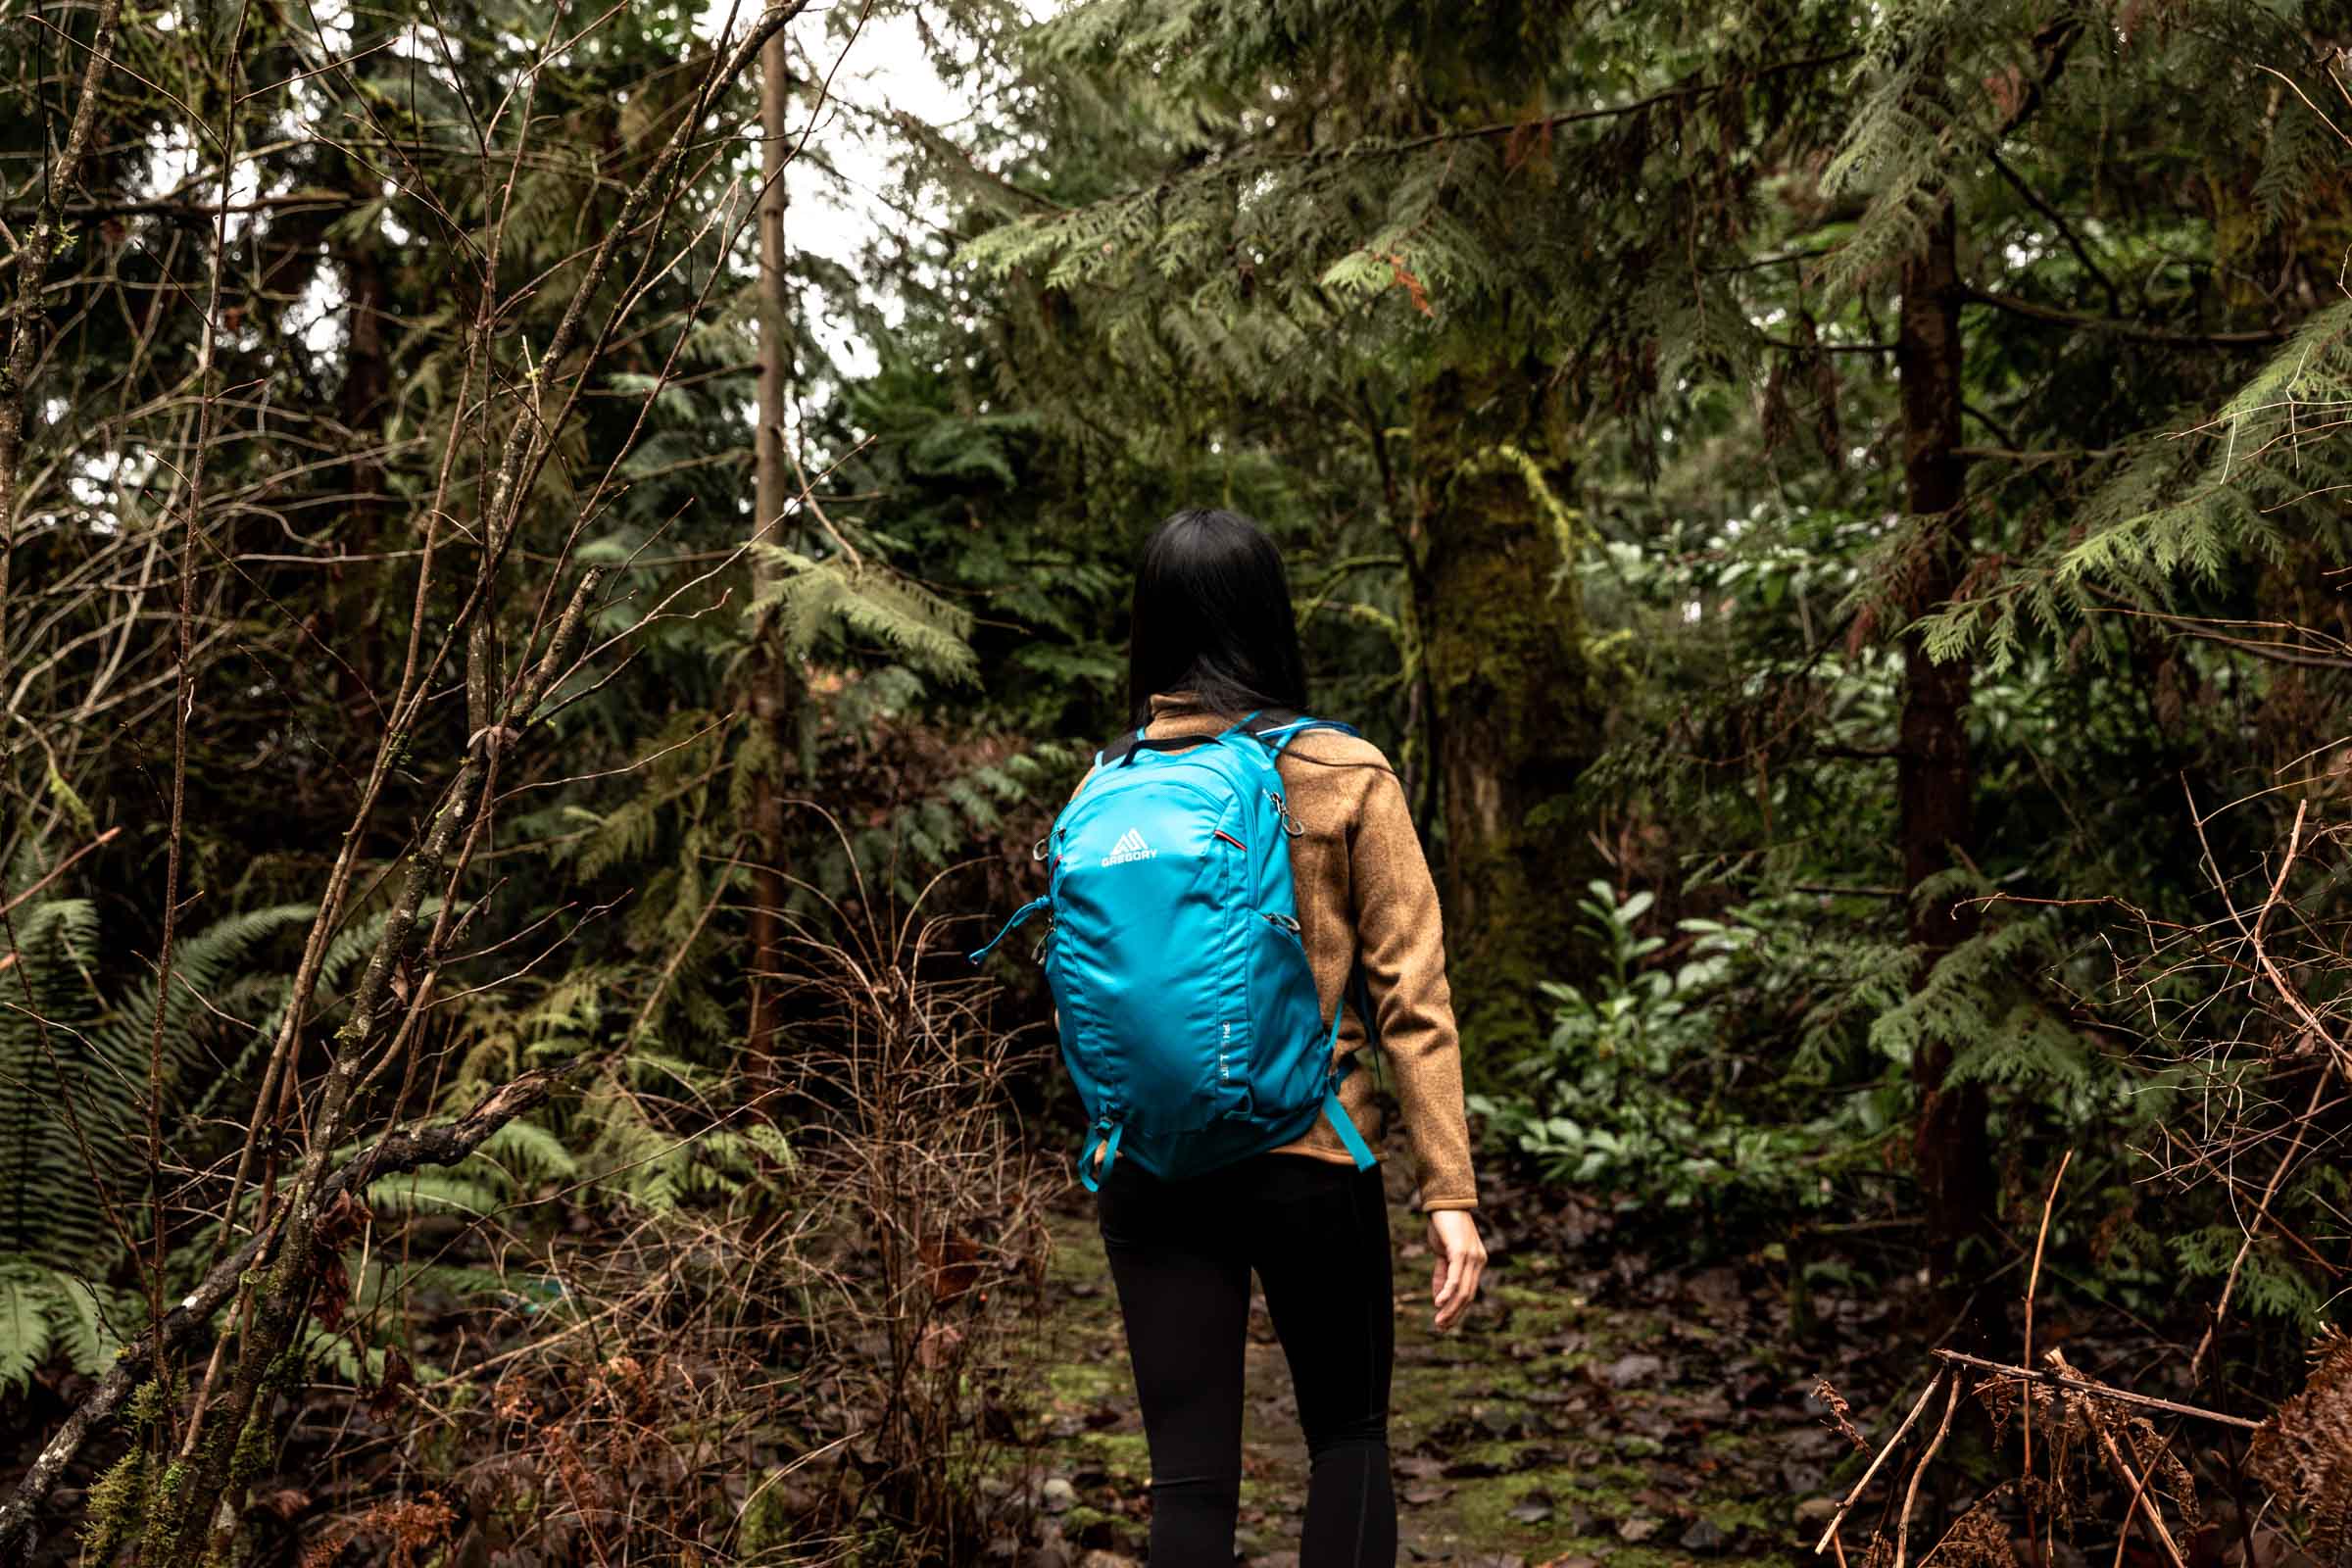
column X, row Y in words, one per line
column 2198, row 1453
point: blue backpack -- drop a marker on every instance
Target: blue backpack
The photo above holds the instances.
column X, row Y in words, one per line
column 1188, row 1011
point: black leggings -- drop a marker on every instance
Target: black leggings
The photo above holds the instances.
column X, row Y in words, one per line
column 1317, row 1234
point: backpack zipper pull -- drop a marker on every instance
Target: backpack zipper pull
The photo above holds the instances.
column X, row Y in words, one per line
column 1282, row 810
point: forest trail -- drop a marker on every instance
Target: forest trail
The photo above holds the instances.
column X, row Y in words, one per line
column 1581, row 1418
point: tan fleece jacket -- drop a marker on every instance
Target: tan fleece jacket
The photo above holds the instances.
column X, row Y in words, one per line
column 1362, row 882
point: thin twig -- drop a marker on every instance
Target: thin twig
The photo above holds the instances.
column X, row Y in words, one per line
column 1839, row 1518
column 60, row 869
column 2033, row 1282
column 1902, row 1529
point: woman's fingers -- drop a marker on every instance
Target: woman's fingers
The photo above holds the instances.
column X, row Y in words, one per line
column 1449, row 1293
column 1445, row 1284
column 1474, row 1269
column 1461, row 1259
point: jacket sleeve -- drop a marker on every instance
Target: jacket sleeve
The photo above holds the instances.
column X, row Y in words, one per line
column 1403, row 946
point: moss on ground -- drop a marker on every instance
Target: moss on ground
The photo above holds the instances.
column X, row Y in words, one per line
column 1517, row 1414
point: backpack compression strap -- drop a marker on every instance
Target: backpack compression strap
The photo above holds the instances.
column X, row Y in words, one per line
column 1345, row 1125
column 1358, row 991
column 1337, row 1113
column 1018, row 915
column 1102, row 1142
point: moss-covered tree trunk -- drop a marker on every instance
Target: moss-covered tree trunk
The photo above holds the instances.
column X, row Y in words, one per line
column 1515, row 719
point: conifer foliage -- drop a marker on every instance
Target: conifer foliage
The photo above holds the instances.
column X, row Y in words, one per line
column 516, row 659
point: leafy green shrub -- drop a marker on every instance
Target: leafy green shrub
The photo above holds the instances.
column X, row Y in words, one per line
column 1632, row 1093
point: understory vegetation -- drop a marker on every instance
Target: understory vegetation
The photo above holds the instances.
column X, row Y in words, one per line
column 554, row 564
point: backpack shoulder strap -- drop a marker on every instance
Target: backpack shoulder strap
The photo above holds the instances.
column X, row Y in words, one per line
column 1276, row 728
column 1123, row 750
column 1117, row 750
column 1284, row 728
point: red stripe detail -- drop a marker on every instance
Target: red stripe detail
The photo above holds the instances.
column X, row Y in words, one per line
column 1230, row 839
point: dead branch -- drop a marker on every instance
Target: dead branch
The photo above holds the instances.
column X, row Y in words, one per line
column 2140, row 1505
column 2335, row 1056
column 1902, row 1529
column 1830, row 1534
column 2080, row 1384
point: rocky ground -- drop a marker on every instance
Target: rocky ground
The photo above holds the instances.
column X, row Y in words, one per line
column 1593, row 1412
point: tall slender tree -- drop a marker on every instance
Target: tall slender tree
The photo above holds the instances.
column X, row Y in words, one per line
column 770, row 671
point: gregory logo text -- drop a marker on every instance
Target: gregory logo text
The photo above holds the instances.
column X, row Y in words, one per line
column 1131, row 847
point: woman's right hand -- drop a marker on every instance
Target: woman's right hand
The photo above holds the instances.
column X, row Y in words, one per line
column 1461, row 1258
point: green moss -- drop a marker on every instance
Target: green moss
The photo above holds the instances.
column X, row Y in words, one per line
column 1485, row 1506
column 1087, row 1383
column 165, row 1523
column 1537, row 1309
column 1503, row 646
column 1122, row 1453
column 1734, row 1514
column 146, row 1403
column 113, row 1505
column 1088, row 1523
column 256, row 1445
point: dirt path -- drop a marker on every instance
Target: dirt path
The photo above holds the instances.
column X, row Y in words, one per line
column 1660, row 1428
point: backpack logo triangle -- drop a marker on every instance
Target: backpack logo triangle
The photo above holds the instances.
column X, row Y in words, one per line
column 1131, row 847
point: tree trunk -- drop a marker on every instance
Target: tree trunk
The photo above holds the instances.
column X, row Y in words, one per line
column 1514, row 721
column 1935, row 779
column 772, row 675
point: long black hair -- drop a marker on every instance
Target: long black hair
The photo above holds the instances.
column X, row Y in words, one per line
column 1213, row 617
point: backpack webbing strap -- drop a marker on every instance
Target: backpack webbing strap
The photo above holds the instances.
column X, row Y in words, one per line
column 1090, row 1176
column 1288, row 730
column 1359, row 991
column 1337, row 1113
column 1125, row 747
column 1018, row 915
column 1345, row 1125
